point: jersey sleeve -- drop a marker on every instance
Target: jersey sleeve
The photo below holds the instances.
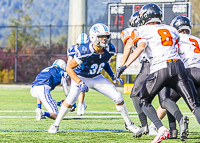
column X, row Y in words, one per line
column 71, row 51
column 125, row 35
column 112, row 49
column 81, row 53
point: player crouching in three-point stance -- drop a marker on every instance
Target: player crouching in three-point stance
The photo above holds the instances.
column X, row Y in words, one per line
column 44, row 83
column 166, row 70
column 89, row 60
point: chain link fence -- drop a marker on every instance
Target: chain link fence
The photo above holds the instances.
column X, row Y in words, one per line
column 23, row 56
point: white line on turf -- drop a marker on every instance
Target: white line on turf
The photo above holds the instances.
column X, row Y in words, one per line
column 75, row 117
column 100, row 112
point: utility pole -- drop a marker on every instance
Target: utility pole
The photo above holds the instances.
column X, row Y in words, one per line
column 77, row 20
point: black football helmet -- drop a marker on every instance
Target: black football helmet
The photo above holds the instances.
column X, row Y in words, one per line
column 150, row 12
column 181, row 22
column 134, row 20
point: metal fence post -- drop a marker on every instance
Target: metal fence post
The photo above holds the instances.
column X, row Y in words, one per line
column 49, row 63
column 16, row 53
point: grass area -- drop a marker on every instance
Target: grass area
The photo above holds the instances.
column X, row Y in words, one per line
column 21, row 100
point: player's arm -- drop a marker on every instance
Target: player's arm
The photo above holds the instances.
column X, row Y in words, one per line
column 64, row 82
column 140, row 48
column 69, row 59
column 141, row 45
column 69, row 69
column 127, row 50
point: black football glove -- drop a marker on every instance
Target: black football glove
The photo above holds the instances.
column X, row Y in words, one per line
column 119, row 71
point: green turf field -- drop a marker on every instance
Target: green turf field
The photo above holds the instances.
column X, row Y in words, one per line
column 101, row 122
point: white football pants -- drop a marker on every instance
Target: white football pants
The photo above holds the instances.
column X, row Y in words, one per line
column 42, row 92
column 100, row 84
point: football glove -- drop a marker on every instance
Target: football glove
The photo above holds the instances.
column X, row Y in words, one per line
column 119, row 80
column 119, row 71
column 83, row 87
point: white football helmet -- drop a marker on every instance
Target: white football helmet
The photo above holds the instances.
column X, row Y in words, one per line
column 60, row 63
column 97, row 30
column 82, row 39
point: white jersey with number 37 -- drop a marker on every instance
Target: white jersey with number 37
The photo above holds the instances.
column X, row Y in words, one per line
column 161, row 40
column 189, row 50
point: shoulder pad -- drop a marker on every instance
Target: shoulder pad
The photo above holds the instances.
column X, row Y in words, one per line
column 83, row 50
column 126, row 34
column 111, row 48
column 71, row 50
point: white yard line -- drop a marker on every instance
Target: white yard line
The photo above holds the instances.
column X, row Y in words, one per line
column 75, row 117
column 99, row 112
column 132, row 114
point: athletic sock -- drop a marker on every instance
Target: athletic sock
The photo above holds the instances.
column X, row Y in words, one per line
column 124, row 113
column 172, row 121
column 63, row 111
column 46, row 114
column 152, row 115
column 172, row 107
column 197, row 114
column 59, row 103
column 39, row 105
column 141, row 114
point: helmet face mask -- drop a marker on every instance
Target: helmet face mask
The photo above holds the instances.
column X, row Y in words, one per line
column 134, row 20
column 150, row 13
column 82, row 39
column 60, row 63
column 181, row 22
column 97, row 32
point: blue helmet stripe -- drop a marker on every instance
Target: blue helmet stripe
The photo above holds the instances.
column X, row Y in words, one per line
column 106, row 29
column 82, row 38
column 55, row 63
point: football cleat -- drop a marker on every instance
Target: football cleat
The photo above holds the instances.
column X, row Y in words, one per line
column 152, row 130
column 81, row 109
column 132, row 127
column 53, row 129
column 38, row 112
column 163, row 133
column 141, row 131
column 173, row 134
column 43, row 117
column 73, row 108
column 184, row 132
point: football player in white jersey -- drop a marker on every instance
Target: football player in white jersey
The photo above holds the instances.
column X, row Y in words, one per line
column 44, row 83
column 85, row 68
column 188, row 49
column 143, row 74
column 80, row 40
column 166, row 70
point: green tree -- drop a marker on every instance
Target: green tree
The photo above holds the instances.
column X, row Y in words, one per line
column 27, row 35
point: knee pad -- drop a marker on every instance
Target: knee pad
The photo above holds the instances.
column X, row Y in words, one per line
column 118, row 98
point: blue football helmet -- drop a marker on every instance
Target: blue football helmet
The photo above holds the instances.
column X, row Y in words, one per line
column 60, row 63
column 82, row 39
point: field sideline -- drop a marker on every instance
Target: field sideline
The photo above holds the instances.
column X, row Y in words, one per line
column 101, row 122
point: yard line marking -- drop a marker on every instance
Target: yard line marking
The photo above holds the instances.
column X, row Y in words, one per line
column 68, row 117
column 103, row 112
column 100, row 130
column 75, row 117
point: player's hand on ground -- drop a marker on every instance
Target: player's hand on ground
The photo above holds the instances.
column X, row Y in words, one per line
column 83, row 87
column 119, row 71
